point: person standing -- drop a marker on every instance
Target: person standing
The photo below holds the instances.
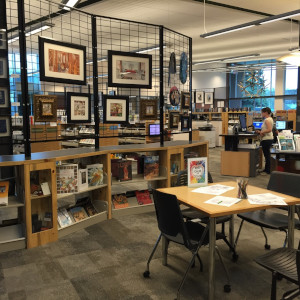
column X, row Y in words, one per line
column 266, row 138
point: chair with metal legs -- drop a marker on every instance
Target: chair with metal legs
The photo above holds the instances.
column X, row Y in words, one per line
column 175, row 229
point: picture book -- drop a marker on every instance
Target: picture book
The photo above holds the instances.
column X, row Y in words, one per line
column 67, row 178
column 63, row 218
column 82, row 179
column 95, row 174
column 143, row 197
column 124, row 170
column 115, row 167
column 45, row 188
column 78, row 213
column 4, row 186
column 197, row 171
column 90, row 209
column 151, row 167
column 120, row 201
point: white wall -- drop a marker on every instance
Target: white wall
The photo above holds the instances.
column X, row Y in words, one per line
column 208, row 80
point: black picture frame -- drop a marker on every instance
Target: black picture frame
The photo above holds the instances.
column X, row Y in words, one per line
column 51, row 50
column 185, row 121
column 185, row 100
column 111, row 103
column 78, row 108
column 174, row 119
column 114, row 73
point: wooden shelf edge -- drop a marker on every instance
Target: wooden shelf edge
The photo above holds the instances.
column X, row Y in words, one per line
column 133, row 210
column 61, row 196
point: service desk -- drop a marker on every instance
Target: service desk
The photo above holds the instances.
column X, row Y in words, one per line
column 237, row 161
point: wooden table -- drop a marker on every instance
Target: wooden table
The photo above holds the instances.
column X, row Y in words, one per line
column 196, row 200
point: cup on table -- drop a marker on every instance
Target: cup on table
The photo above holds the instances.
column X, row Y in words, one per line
column 242, row 188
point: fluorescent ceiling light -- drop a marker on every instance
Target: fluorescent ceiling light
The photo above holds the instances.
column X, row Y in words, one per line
column 283, row 16
column 70, row 4
column 31, row 30
column 291, row 59
column 226, row 31
column 226, row 58
column 149, row 49
column 99, row 60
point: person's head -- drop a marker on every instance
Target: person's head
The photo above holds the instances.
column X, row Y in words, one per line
column 266, row 112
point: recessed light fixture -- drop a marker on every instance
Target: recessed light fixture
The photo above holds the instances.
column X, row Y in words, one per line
column 69, row 4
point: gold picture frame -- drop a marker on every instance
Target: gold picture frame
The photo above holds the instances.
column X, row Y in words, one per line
column 148, row 109
column 45, row 108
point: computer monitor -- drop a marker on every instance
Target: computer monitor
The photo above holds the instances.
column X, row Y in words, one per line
column 281, row 125
column 154, row 129
column 257, row 125
column 243, row 122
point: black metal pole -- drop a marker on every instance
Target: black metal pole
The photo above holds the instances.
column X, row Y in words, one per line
column 298, row 93
column 161, row 85
column 95, row 82
column 24, row 80
column 191, row 90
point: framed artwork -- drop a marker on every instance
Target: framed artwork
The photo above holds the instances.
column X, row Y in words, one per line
column 2, row 40
column 174, row 119
column 197, row 171
column 185, row 100
column 131, row 70
column 148, row 109
column 185, row 123
column 3, row 67
column 209, row 98
column 62, row 62
column 115, row 109
column 174, row 96
column 78, row 108
column 4, row 100
column 45, row 108
column 4, row 126
column 199, row 97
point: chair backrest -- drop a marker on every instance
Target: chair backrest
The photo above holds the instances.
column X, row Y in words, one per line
column 169, row 218
column 285, row 183
column 182, row 178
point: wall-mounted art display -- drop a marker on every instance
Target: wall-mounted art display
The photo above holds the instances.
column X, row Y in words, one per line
column 4, row 100
column 3, row 67
column 148, row 109
column 78, row 108
column 173, row 119
column 183, row 67
column 185, row 100
column 209, row 98
column 4, row 126
column 174, row 96
column 2, row 39
column 115, row 109
column 127, row 69
column 62, row 62
column 185, row 120
column 45, row 108
column 199, row 97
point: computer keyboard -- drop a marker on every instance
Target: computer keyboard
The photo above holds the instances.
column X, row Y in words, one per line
column 247, row 132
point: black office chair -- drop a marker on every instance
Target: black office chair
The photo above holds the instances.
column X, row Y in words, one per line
column 283, row 263
column 191, row 213
column 173, row 227
column 281, row 182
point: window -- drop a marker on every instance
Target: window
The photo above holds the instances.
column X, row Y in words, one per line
column 291, row 81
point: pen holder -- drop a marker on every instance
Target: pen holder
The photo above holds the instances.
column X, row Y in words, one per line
column 242, row 188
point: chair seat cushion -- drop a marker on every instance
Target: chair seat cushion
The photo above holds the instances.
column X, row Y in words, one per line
column 267, row 219
column 191, row 213
column 283, row 261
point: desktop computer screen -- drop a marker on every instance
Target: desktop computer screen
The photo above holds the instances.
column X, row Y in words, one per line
column 257, row 125
column 243, row 122
column 154, row 129
column 281, row 125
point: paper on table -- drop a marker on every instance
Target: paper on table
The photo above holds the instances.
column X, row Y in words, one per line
column 266, row 199
column 224, row 201
column 217, row 189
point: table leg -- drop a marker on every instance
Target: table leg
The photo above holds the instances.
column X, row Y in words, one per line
column 165, row 245
column 291, row 226
column 231, row 231
column 211, row 271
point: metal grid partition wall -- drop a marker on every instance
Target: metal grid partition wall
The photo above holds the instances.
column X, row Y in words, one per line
column 32, row 25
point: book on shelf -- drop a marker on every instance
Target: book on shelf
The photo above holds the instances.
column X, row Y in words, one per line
column 95, row 174
column 115, row 167
column 63, row 218
column 67, row 178
column 78, row 213
column 124, row 170
column 120, row 201
column 4, row 186
column 87, row 204
column 45, row 188
column 143, row 197
column 82, row 180
column 151, row 166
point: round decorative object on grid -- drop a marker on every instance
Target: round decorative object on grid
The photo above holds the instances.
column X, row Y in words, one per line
column 183, row 67
column 174, row 96
column 172, row 66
